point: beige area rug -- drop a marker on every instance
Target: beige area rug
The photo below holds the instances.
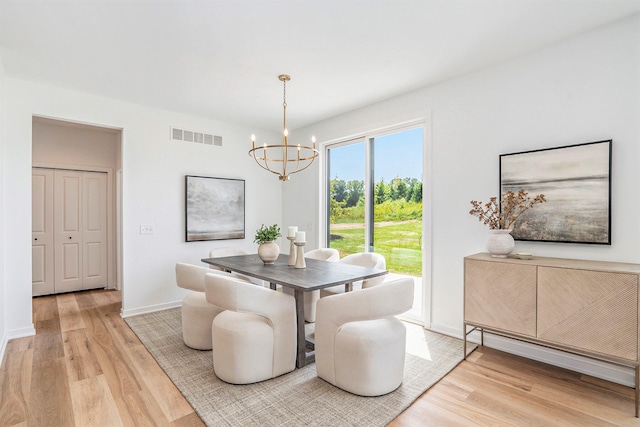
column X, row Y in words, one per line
column 298, row 398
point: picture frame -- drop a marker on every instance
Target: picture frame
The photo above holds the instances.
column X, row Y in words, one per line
column 214, row 208
column 576, row 182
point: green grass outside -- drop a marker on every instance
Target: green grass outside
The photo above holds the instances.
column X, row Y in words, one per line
column 398, row 242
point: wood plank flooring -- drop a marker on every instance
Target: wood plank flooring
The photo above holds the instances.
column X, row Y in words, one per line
column 85, row 367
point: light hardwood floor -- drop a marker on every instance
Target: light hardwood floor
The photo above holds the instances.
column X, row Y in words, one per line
column 85, row 367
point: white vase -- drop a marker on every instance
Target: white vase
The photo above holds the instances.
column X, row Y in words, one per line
column 500, row 243
column 268, row 252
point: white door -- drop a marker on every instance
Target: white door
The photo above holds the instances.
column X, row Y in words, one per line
column 42, row 232
column 68, row 230
column 79, row 218
column 94, row 230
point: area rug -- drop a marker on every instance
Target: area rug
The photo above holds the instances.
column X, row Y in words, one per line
column 294, row 399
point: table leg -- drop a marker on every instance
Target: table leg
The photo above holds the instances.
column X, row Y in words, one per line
column 302, row 345
column 348, row 287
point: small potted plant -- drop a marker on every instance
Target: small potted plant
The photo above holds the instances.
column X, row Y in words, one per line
column 501, row 221
column 268, row 249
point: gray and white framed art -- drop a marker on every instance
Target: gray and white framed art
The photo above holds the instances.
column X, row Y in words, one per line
column 214, row 208
column 576, row 181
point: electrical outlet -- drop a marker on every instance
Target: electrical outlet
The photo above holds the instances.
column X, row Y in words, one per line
column 147, row 229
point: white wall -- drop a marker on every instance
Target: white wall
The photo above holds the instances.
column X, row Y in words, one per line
column 585, row 89
column 153, row 190
column 3, row 216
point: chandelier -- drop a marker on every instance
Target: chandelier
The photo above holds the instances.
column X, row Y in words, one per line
column 284, row 159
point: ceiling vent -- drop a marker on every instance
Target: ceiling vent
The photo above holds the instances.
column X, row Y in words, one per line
column 195, row 136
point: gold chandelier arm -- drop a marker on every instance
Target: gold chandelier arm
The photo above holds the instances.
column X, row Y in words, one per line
column 267, row 162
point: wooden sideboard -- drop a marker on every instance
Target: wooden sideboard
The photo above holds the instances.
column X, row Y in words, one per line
column 590, row 308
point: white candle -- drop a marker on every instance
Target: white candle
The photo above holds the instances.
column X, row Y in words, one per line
column 292, row 231
column 300, row 236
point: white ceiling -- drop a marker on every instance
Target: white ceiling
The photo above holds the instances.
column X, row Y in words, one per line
column 221, row 58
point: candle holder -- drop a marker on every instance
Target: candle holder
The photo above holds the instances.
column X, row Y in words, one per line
column 292, row 251
column 300, row 257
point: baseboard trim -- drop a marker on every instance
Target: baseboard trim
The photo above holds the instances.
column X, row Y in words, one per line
column 607, row 371
column 22, row 332
column 149, row 309
column 3, row 347
column 12, row 334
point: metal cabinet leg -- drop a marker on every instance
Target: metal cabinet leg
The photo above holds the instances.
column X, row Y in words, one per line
column 464, row 340
column 637, row 391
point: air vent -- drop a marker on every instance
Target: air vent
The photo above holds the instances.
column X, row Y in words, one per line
column 196, row 137
column 176, row 134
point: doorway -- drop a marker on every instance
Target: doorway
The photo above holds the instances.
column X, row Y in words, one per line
column 374, row 199
column 75, row 170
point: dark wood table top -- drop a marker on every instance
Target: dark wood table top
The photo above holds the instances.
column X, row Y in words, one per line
column 318, row 274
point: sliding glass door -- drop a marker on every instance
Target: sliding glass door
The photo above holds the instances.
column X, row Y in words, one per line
column 375, row 201
column 346, row 198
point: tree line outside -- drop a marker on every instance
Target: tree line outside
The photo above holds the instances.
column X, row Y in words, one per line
column 398, row 200
column 397, row 221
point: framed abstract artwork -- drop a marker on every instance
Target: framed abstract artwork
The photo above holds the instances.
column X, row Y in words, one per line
column 576, row 181
column 214, row 208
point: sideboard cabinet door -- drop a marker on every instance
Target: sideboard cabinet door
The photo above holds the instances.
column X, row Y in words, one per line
column 592, row 310
column 501, row 295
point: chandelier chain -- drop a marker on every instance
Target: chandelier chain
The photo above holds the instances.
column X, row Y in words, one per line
column 284, row 91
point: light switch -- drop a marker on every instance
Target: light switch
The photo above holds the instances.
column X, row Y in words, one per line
column 147, row 229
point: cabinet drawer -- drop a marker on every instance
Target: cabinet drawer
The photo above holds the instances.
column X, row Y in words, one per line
column 501, row 295
column 596, row 311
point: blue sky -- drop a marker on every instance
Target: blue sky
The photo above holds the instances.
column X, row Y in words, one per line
column 398, row 154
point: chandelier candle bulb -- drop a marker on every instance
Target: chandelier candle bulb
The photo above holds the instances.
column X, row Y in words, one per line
column 300, row 237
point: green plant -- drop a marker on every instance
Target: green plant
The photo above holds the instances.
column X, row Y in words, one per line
column 267, row 234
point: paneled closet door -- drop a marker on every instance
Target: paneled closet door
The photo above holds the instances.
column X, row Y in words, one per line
column 80, row 216
column 68, row 230
column 94, row 230
column 42, row 235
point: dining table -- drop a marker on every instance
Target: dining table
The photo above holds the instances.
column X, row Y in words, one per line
column 317, row 274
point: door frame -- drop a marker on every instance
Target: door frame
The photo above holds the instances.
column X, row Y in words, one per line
column 427, row 195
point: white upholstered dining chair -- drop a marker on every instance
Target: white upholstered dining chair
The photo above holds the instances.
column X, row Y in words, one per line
column 225, row 251
column 364, row 259
column 228, row 251
column 254, row 339
column 359, row 344
column 197, row 313
column 311, row 297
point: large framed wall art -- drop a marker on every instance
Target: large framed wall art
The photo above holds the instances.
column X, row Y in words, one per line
column 576, row 181
column 214, row 208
